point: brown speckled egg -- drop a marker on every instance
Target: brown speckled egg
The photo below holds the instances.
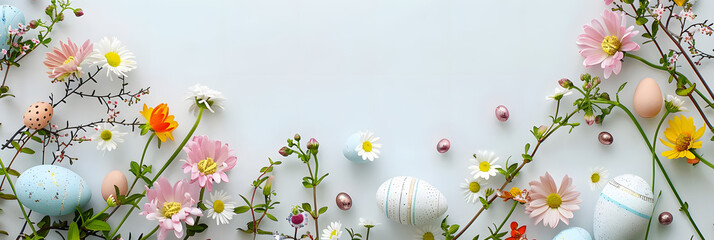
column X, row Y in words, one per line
column 38, row 115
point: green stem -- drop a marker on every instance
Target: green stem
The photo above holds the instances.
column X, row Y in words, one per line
column 200, row 201
column 180, row 147
column 367, row 237
column 654, row 140
column 701, row 158
column 141, row 162
column 645, row 61
column 97, row 215
column 684, row 208
column 649, row 223
column 171, row 159
column 12, row 186
column 150, row 233
column 515, row 203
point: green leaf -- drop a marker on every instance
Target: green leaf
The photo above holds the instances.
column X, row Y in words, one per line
column 98, row 225
column 27, row 151
column 7, row 196
column 453, row 228
column 307, row 207
column 271, row 217
column 528, row 146
column 641, row 20
column 241, row 209
column 655, row 28
column 686, row 91
column 628, row 1
column 15, row 145
column 73, row 233
column 322, row 210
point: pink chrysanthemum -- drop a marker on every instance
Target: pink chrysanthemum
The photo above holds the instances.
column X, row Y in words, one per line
column 550, row 204
column 171, row 205
column 65, row 61
column 604, row 43
column 208, row 161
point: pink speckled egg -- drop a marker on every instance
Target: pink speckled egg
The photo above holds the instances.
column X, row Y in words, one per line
column 114, row 178
column 38, row 115
column 647, row 99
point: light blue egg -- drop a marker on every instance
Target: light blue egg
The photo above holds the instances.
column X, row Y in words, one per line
column 573, row 233
column 349, row 150
column 52, row 190
column 11, row 16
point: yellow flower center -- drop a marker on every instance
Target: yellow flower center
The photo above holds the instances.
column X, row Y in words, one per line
column 207, row 166
column 474, row 187
column 333, row 233
column 218, row 206
column 595, row 178
column 428, row 236
column 69, row 60
column 610, row 45
column 113, row 59
column 171, row 208
column 554, row 200
column 484, row 166
column 367, row 146
column 106, row 135
column 683, row 141
column 515, row 191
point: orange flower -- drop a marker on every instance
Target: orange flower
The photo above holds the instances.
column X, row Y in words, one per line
column 160, row 121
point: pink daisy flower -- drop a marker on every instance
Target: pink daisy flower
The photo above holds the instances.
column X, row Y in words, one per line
column 550, row 204
column 208, row 161
column 604, row 42
column 65, row 61
column 608, row 2
column 171, row 205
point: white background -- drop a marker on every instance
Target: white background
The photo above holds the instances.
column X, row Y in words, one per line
column 411, row 71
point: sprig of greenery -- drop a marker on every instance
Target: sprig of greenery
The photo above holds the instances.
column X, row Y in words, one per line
column 264, row 183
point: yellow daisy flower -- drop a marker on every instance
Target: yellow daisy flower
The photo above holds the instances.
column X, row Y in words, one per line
column 681, row 136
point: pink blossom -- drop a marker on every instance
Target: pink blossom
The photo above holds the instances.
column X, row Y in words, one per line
column 687, row 14
column 604, row 42
column 4, row 51
column 25, row 47
column 673, row 59
column 658, row 11
column 35, row 41
column 549, row 203
column 705, row 30
column 608, row 2
column 208, row 161
column 65, row 61
column 171, row 206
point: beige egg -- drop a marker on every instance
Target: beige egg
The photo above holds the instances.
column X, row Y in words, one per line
column 114, row 178
column 38, row 115
column 647, row 99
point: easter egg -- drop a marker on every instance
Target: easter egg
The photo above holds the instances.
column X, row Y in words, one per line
column 350, row 151
column 52, row 190
column 38, row 115
column 114, row 178
column 11, row 17
column 573, row 233
column 623, row 209
column 647, row 99
column 409, row 200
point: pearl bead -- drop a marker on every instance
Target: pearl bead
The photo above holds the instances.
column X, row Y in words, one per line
column 502, row 113
column 443, row 145
column 605, row 138
column 344, row 201
column 665, row 218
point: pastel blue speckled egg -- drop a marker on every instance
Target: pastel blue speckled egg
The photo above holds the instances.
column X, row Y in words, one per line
column 11, row 16
column 573, row 233
column 350, row 146
column 623, row 209
column 52, row 190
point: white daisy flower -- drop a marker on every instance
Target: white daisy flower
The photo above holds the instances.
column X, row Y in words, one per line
column 368, row 223
column 220, row 207
column 427, row 232
column 204, row 97
column 473, row 189
column 484, row 166
column 114, row 56
column 369, row 149
column 559, row 94
column 598, row 178
column 674, row 104
column 107, row 137
column 333, row 231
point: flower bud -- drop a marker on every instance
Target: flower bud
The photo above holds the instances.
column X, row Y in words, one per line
column 290, row 143
column 596, row 81
column 605, row 96
column 285, row 151
column 60, row 17
column 587, row 86
column 4, row 89
column 541, row 130
column 585, row 77
column 598, row 119
column 565, row 83
column 313, row 145
column 111, row 202
column 297, row 137
column 33, row 24
column 78, row 12
column 268, row 185
column 589, row 117
column 49, row 9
